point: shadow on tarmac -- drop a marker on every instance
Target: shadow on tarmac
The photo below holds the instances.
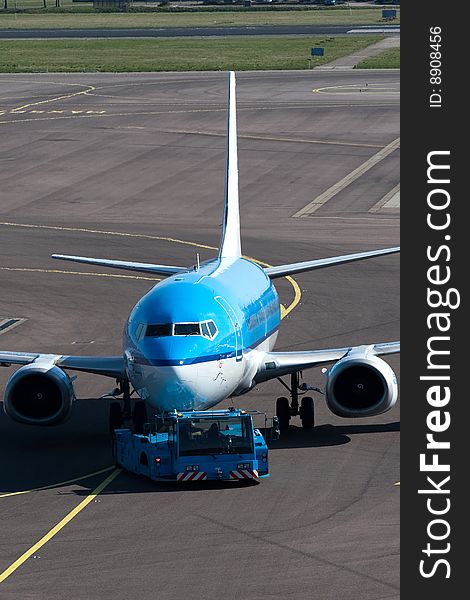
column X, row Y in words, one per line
column 38, row 457
column 327, row 435
column 34, row 457
column 129, row 483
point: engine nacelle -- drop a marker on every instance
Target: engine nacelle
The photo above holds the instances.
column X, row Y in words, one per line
column 39, row 395
column 361, row 385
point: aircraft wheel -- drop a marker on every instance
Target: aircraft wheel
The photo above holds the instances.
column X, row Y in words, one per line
column 283, row 413
column 139, row 416
column 307, row 412
column 115, row 416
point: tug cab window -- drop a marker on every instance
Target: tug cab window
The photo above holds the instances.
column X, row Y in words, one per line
column 225, row 435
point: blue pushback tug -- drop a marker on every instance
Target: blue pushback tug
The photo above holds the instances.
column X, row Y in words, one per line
column 195, row 446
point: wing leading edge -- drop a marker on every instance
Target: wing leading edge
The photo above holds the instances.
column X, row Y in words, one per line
column 122, row 264
column 276, row 364
column 321, row 263
column 109, row 366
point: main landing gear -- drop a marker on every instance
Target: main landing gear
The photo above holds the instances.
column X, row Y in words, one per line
column 285, row 409
column 121, row 412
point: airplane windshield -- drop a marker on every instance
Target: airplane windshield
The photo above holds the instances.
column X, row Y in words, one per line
column 187, row 329
column 207, row 329
column 159, row 330
column 233, row 435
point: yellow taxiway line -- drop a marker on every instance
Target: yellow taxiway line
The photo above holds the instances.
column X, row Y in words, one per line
column 55, row 530
column 103, row 232
column 20, row 109
column 170, row 112
column 284, row 310
column 356, row 88
column 58, row 484
column 90, row 274
column 71, row 515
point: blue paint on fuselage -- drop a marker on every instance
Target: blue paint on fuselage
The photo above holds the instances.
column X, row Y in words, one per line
column 199, row 295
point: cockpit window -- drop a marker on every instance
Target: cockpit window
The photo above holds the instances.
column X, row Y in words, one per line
column 139, row 332
column 160, row 330
column 212, row 329
column 187, row 329
column 207, row 329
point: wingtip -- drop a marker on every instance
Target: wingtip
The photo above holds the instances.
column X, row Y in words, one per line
column 61, row 256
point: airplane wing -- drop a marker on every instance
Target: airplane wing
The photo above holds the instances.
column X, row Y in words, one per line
column 110, row 366
column 122, row 264
column 276, row 364
column 311, row 265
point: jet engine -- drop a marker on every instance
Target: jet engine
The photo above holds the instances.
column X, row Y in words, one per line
column 361, row 385
column 37, row 395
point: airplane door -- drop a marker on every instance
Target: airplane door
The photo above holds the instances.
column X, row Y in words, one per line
column 236, row 326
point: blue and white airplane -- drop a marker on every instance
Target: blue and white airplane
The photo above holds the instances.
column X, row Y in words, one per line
column 204, row 334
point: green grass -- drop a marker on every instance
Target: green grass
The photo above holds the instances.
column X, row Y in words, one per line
column 81, row 19
column 390, row 59
column 176, row 54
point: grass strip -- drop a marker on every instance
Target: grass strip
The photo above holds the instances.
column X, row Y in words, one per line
column 156, row 18
column 174, row 54
column 389, row 59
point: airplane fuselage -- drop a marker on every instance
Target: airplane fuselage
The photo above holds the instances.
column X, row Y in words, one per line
column 205, row 334
column 192, row 340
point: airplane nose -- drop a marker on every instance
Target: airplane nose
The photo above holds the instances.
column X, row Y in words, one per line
column 158, row 349
column 172, row 376
column 171, row 387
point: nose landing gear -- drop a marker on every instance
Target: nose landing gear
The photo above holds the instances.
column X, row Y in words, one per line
column 285, row 409
column 119, row 413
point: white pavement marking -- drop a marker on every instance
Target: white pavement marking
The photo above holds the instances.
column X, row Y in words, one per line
column 8, row 324
column 352, row 60
column 320, row 200
column 390, row 200
column 374, row 30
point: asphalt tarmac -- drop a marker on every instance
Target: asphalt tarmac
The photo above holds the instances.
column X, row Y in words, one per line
column 195, row 31
column 132, row 167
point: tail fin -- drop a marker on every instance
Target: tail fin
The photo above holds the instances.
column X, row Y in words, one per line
column 230, row 244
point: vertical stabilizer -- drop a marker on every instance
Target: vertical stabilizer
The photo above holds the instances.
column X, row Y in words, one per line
column 230, row 244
